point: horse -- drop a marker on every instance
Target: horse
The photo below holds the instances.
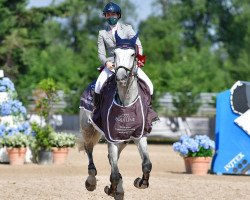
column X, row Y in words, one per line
column 127, row 92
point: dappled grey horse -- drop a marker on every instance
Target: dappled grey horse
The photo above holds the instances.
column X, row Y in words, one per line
column 127, row 92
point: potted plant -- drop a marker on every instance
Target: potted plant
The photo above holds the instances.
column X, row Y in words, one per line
column 196, row 151
column 47, row 97
column 15, row 140
column 41, row 145
column 61, row 142
column 14, row 129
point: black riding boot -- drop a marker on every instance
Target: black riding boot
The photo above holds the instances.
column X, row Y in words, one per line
column 96, row 100
column 152, row 115
column 156, row 118
column 96, row 112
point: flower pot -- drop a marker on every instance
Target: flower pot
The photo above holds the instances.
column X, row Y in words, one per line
column 16, row 155
column 187, row 165
column 199, row 165
column 4, row 157
column 44, row 157
column 60, row 155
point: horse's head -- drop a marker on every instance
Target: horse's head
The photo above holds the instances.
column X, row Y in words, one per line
column 125, row 55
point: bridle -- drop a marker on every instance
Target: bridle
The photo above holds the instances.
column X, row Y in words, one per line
column 129, row 73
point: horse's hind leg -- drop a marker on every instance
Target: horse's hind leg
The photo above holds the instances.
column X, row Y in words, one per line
column 143, row 182
column 90, row 182
column 116, row 188
column 90, row 138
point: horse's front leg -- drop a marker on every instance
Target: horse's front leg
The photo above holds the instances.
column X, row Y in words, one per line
column 116, row 189
column 143, row 182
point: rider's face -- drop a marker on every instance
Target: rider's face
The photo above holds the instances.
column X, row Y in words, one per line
column 110, row 14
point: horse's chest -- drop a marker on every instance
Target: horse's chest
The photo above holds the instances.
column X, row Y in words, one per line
column 122, row 123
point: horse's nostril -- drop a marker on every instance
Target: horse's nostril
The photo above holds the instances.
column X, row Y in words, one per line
column 121, row 74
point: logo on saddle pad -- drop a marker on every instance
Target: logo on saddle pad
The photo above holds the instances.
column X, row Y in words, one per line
column 124, row 118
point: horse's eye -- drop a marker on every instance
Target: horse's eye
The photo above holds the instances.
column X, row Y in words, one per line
column 133, row 55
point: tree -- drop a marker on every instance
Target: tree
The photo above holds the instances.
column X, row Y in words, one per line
column 62, row 45
column 47, row 97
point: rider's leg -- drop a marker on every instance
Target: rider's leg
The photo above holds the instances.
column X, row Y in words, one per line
column 144, row 77
column 104, row 75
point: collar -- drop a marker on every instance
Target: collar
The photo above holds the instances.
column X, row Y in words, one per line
column 117, row 26
column 113, row 27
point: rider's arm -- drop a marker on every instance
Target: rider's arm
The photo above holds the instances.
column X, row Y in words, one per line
column 131, row 33
column 101, row 49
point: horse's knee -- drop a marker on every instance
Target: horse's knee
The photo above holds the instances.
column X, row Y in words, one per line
column 146, row 167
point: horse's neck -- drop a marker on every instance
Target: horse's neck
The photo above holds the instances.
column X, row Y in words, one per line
column 128, row 94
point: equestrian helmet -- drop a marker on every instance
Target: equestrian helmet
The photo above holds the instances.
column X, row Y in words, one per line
column 112, row 7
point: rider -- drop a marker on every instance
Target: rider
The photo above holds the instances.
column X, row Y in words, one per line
column 106, row 43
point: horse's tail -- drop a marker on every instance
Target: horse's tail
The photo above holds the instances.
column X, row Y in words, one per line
column 88, row 136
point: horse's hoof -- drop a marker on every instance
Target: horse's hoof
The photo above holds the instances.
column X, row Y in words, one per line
column 141, row 184
column 119, row 196
column 90, row 183
column 109, row 192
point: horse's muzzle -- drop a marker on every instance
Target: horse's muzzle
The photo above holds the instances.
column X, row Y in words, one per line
column 122, row 74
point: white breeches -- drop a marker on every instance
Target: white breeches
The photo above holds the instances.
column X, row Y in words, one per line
column 107, row 73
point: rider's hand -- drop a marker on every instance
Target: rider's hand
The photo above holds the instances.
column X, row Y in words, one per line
column 109, row 65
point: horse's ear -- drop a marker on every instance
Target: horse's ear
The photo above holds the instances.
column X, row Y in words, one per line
column 133, row 39
column 117, row 38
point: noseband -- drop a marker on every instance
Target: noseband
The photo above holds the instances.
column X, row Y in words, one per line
column 130, row 72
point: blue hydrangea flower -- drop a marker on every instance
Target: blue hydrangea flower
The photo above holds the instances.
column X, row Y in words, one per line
column 33, row 133
column 23, row 110
column 24, row 128
column 6, row 85
column 192, row 145
column 12, row 107
column 176, row 146
column 183, row 150
column 5, row 109
column 184, row 138
column 2, row 130
column 11, row 131
column 27, row 132
column 26, row 125
column 2, row 88
column 212, row 144
column 204, row 141
column 204, row 144
column 187, row 145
